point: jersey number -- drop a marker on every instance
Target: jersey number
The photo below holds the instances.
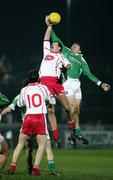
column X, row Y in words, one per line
column 34, row 100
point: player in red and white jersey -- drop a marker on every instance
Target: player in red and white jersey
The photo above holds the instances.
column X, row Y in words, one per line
column 49, row 73
column 53, row 60
column 33, row 97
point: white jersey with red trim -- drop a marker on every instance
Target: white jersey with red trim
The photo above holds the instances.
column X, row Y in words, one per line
column 33, row 96
column 52, row 62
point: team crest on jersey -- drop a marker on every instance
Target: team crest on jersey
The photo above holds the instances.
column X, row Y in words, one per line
column 49, row 57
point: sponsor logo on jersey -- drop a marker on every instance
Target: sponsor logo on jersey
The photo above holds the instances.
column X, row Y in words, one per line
column 49, row 57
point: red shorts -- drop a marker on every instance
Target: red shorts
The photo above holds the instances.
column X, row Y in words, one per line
column 53, row 85
column 34, row 124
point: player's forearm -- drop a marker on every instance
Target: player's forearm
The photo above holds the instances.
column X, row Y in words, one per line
column 93, row 78
column 47, row 33
column 54, row 37
column 104, row 86
column 6, row 110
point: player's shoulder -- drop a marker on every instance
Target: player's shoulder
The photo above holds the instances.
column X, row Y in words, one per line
column 24, row 89
column 62, row 56
column 15, row 98
column 43, row 87
column 82, row 58
column 67, row 48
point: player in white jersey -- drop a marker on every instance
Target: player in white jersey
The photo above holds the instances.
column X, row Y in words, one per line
column 48, row 149
column 49, row 74
column 33, row 97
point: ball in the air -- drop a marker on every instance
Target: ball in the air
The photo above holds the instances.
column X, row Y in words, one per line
column 54, row 18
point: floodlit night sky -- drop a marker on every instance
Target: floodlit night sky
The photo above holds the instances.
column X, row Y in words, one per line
column 23, row 26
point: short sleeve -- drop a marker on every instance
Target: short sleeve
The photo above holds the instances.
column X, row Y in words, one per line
column 46, row 48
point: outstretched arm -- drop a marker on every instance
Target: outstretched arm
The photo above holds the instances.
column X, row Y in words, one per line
column 92, row 77
column 49, row 29
column 54, row 37
column 47, row 33
column 9, row 108
column 6, row 110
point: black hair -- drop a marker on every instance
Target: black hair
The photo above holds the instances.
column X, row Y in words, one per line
column 31, row 77
column 59, row 44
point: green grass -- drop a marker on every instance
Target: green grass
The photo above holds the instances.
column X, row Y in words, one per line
column 71, row 164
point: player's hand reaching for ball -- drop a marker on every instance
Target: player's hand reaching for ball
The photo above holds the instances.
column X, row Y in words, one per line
column 105, row 86
column 47, row 21
column 53, row 19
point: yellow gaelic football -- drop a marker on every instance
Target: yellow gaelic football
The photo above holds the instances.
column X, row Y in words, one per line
column 54, row 18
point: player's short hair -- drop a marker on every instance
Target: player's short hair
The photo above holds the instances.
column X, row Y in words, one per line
column 77, row 43
column 59, row 44
column 31, row 77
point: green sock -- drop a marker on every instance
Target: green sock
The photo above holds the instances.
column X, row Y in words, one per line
column 77, row 131
column 51, row 166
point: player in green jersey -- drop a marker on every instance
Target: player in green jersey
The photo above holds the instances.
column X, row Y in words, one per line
column 72, row 83
column 4, row 149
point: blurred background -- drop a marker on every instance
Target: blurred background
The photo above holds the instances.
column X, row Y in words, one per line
column 22, row 27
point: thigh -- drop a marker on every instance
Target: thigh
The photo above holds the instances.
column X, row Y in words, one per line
column 73, row 102
column 5, row 148
column 63, row 100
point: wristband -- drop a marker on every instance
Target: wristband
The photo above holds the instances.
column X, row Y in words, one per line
column 99, row 83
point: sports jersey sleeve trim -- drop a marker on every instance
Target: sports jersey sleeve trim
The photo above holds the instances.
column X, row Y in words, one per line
column 99, row 83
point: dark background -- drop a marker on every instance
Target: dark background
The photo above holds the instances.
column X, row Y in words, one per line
column 90, row 23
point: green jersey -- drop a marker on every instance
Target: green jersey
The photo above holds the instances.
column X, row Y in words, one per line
column 14, row 104
column 79, row 65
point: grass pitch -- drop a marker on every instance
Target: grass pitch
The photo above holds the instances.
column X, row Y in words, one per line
column 96, row 164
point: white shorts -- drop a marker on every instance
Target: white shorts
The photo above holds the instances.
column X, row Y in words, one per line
column 72, row 87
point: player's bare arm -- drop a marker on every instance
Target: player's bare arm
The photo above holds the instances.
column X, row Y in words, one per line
column 6, row 110
column 48, row 32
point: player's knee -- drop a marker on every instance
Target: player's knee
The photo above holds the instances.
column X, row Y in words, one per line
column 67, row 111
column 7, row 152
column 75, row 110
column 51, row 111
